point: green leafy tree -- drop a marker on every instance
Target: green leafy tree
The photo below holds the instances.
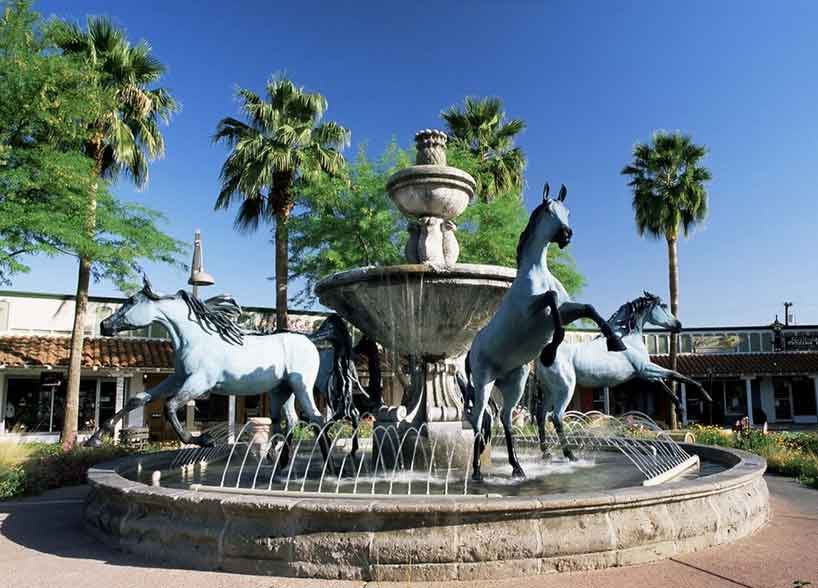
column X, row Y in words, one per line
column 46, row 102
column 121, row 140
column 669, row 198
column 282, row 146
column 347, row 220
column 481, row 127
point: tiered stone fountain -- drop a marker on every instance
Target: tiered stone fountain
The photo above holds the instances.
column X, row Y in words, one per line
column 430, row 308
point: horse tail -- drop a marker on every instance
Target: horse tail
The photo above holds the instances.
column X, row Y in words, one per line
column 339, row 385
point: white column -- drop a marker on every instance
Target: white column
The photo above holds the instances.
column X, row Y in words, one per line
column 231, row 419
column 606, row 400
column 119, row 402
column 814, row 385
column 684, row 404
column 748, row 384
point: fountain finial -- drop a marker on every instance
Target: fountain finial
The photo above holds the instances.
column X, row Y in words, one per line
column 431, row 147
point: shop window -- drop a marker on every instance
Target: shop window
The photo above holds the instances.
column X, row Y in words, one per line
column 803, row 397
column 686, row 344
column 28, row 406
column 743, row 343
column 735, row 397
column 663, row 344
column 767, row 342
column 755, row 342
column 651, row 340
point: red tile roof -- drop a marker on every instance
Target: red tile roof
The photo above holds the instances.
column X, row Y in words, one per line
column 738, row 364
column 98, row 352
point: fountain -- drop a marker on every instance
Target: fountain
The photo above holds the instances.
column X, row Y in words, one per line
column 405, row 507
column 428, row 309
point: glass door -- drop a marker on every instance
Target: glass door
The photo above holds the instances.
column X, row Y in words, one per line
column 783, row 400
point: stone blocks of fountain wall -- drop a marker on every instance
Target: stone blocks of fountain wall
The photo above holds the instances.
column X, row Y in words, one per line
column 431, row 538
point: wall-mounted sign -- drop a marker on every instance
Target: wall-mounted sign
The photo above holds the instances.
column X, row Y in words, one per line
column 801, row 342
column 715, row 343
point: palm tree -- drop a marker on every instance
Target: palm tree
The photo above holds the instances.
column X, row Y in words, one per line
column 122, row 141
column 669, row 196
column 282, row 144
column 481, row 127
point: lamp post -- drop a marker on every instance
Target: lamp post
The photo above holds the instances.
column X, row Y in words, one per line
column 198, row 277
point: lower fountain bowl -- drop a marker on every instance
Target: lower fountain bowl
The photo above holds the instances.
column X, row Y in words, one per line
column 418, row 309
column 425, row 538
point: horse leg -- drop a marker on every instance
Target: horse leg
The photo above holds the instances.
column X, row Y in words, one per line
column 167, row 386
column 549, row 352
column 482, row 427
column 540, row 415
column 512, row 385
column 556, row 418
column 192, row 388
column 301, row 384
column 282, row 399
column 572, row 311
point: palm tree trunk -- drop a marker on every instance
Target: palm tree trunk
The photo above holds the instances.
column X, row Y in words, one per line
column 673, row 275
column 282, row 270
column 72, row 394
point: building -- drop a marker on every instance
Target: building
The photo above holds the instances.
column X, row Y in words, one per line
column 768, row 373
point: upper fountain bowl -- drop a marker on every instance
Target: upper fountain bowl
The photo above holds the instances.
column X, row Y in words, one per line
column 417, row 309
column 431, row 190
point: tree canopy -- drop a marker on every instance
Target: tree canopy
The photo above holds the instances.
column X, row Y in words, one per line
column 482, row 128
column 48, row 102
column 282, row 147
column 667, row 180
column 349, row 221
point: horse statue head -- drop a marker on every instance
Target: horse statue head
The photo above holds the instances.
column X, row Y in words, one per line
column 548, row 224
column 648, row 308
column 657, row 313
column 217, row 315
column 138, row 311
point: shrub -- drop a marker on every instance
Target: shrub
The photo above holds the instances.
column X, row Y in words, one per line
column 30, row 468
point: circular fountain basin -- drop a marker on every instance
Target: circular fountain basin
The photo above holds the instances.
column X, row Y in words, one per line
column 392, row 538
column 418, row 309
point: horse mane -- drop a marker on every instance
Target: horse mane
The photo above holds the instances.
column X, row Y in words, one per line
column 219, row 314
column 624, row 319
column 529, row 230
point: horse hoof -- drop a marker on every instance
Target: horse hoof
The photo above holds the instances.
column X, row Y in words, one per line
column 546, row 456
column 518, row 474
column 616, row 344
column 477, row 477
column 570, row 455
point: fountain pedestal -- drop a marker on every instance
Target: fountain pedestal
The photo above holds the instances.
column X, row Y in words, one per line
column 429, row 310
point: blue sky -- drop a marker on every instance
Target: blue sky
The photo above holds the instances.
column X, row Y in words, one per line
column 589, row 78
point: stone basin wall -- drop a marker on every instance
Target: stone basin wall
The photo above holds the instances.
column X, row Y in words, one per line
column 426, row 538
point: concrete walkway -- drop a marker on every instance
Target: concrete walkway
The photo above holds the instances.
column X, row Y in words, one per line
column 42, row 544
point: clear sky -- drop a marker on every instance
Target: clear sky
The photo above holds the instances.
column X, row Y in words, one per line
column 589, row 78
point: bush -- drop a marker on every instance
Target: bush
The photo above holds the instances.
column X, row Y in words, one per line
column 790, row 454
column 31, row 468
